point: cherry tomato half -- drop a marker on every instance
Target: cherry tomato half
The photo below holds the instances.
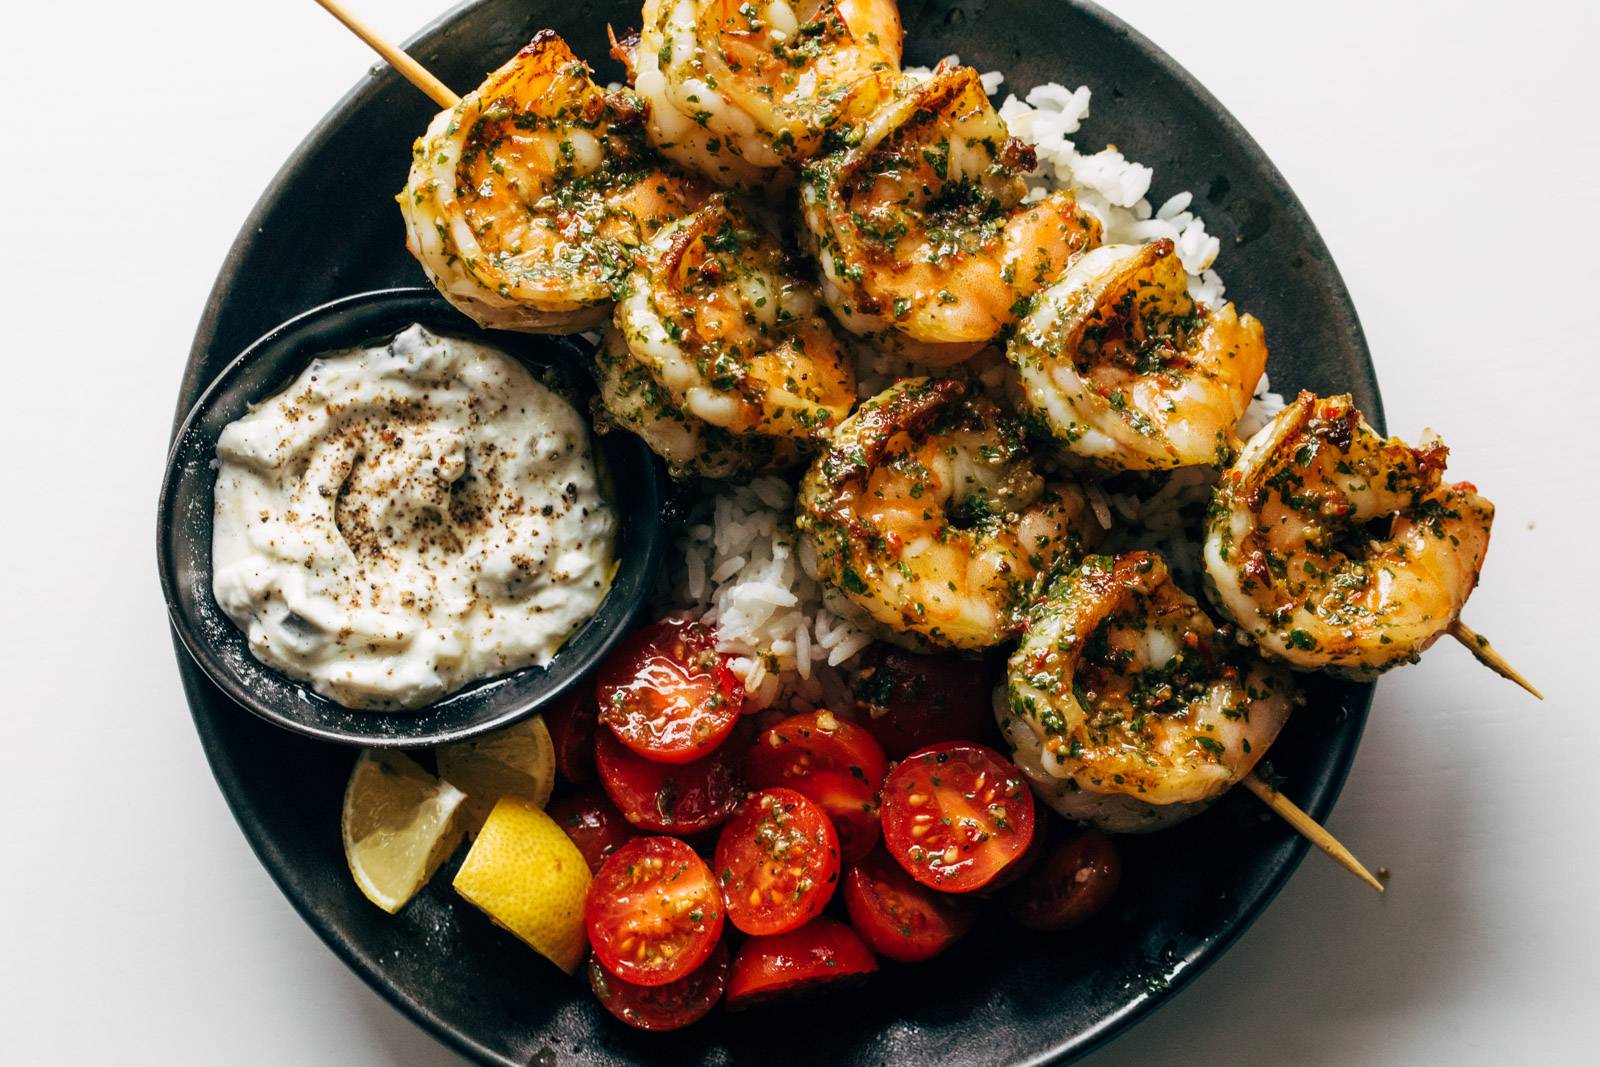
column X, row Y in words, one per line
column 778, row 862
column 849, row 804
column 682, row 798
column 814, row 741
column 820, row 953
column 594, row 824
column 571, row 721
column 899, row 917
column 1070, row 886
column 663, row 1007
column 654, row 912
column 914, row 701
column 955, row 815
column 668, row 694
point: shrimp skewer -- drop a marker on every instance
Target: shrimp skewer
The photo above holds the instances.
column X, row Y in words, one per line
column 1337, row 549
column 526, row 200
column 926, row 512
column 920, row 227
column 1128, row 371
column 634, row 392
column 1129, row 710
column 1131, row 690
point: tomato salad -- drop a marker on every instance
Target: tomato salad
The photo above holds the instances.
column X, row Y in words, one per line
column 741, row 858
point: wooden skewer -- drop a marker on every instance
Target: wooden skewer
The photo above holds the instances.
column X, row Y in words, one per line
column 414, row 72
column 1480, row 647
column 1309, row 829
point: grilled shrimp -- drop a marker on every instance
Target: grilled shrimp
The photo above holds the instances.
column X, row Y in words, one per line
column 925, row 511
column 526, row 200
column 920, row 227
column 1115, row 813
column 739, row 89
column 730, row 330
column 630, row 397
column 1337, row 549
column 1128, row 371
column 1129, row 689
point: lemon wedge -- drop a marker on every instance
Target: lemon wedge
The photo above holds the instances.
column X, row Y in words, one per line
column 528, row 876
column 399, row 823
column 519, row 761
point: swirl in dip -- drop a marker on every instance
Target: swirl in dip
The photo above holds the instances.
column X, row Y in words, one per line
column 409, row 518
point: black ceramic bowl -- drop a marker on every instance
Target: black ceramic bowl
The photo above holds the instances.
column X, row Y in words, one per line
column 221, row 649
column 1001, row 995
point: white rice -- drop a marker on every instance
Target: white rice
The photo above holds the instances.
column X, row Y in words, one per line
column 740, row 565
column 1109, row 185
column 742, row 573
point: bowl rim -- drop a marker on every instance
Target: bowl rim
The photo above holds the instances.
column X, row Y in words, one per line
column 188, row 620
column 1318, row 804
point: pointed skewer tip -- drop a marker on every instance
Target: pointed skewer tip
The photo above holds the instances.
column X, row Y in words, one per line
column 1485, row 654
column 1310, row 829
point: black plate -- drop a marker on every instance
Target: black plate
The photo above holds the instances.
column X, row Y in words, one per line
column 637, row 480
column 328, row 226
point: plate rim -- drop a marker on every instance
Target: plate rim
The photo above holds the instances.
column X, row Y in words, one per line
column 378, row 78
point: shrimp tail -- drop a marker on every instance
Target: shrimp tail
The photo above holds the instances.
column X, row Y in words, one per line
column 1247, row 481
column 624, row 49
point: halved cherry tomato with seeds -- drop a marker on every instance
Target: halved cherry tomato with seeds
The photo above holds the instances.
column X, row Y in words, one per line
column 820, row 953
column 682, row 798
column 814, row 741
column 956, row 814
column 653, row 913
column 777, row 861
column 668, row 694
column 1070, row 886
column 850, row 804
column 571, row 721
column 594, row 824
column 899, row 917
column 911, row 701
column 663, row 1007
column 831, row 761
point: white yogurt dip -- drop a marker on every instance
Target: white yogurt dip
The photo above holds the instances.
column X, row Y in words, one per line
column 409, row 518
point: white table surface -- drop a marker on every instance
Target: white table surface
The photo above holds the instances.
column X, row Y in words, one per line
column 1447, row 151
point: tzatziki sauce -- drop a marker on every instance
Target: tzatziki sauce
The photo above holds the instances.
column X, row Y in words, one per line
column 409, row 518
